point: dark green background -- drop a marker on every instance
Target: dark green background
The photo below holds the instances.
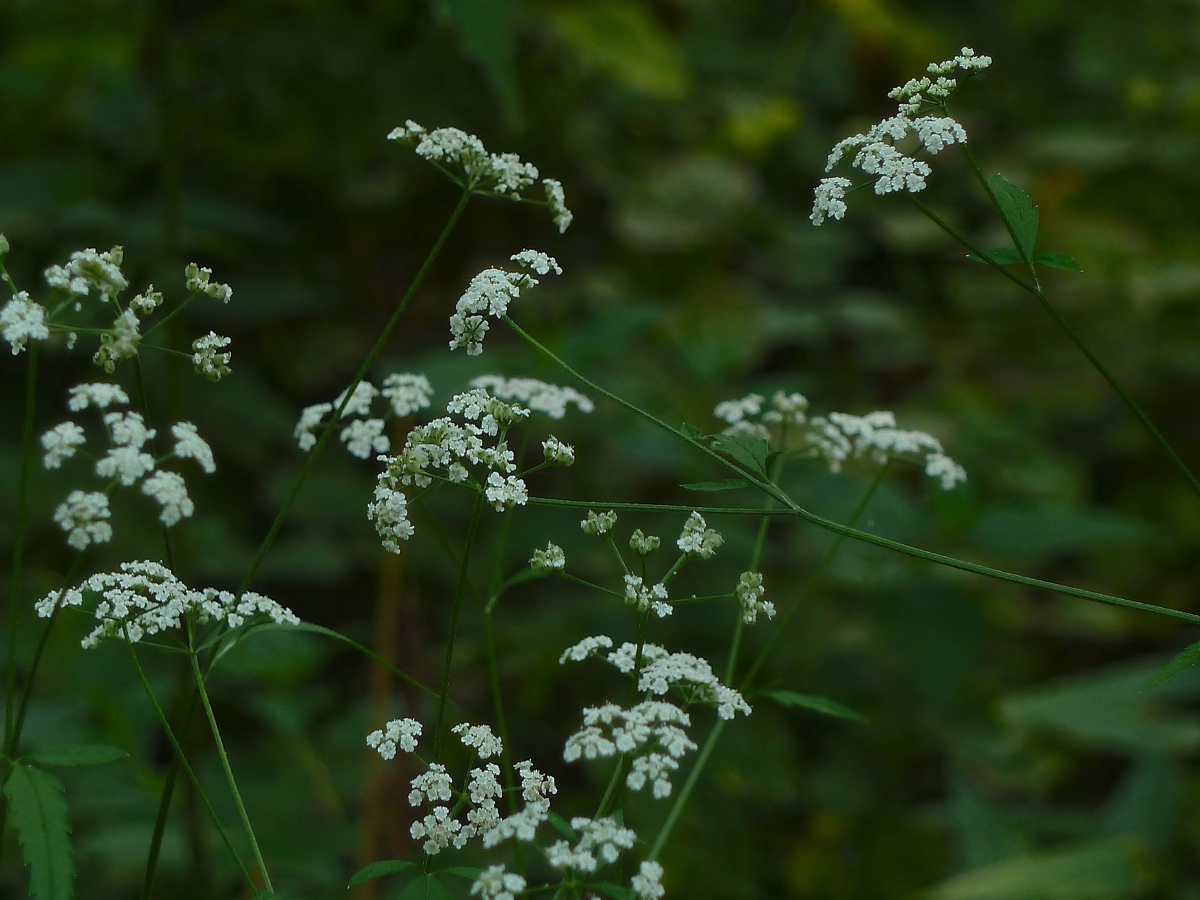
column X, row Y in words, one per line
column 1006, row 728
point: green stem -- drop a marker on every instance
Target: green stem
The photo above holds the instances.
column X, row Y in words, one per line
column 328, row 431
column 224, row 757
column 685, row 792
column 459, row 592
column 794, row 509
column 164, row 804
column 187, row 767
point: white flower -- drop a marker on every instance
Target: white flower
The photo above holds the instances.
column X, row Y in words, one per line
column 749, row 593
column 407, row 393
column 87, row 271
column 505, row 492
column 389, row 512
column 398, row 733
column 646, row 598
column 310, row 418
column 171, row 493
column 697, row 539
column 432, row 786
column 642, row 544
column 100, row 395
column 147, row 302
column 538, row 396
column 536, row 261
column 497, row 173
column 556, row 453
column 598, row 523
column 479, row 737
column 197, row 280
column 189, row 445
column 84, row 517
column 589, row 646
column 364, row 436
column 684, row 670
column 125, row 463
column 205, row 358
column 120, row 342
column 647, row 883
column 557, row 201
column 60, row 443
column 734, row 411
column 552, row 559
column 438, row 830
column 360, row 401
column 496, row 883
column 23, row 319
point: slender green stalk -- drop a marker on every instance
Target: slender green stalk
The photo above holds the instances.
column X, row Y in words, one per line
column 187, row 767
column 459, row 592
column 794, row 509
column 1034, row 287
column 164, row 803
column 328, row 431
column 685, row 791
column 233, row 788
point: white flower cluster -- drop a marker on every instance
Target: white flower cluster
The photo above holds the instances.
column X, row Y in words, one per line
column 443, row 449
column 497, row 883
column 538, row 396
column 876, row 151
column 837, row 436
column 663, row 671
column 646, row 598
column 84, row 515
column 643, row 544
column 552, row 559
column 652, row 732
column 463, row 157
column 23, row 320
column 489, row 293
column 207, row 358
column 145, row 598
column 87, row 272
column 363, row 433
column 749, row 593
column 698, row 539
column 197, row 279
column 398, row 733
column 600, row 842
column 598, row 523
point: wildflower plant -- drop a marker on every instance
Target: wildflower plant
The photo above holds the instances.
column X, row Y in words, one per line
column 474, row 811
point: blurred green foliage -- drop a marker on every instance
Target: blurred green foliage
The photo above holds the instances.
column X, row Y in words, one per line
column 1009, row 752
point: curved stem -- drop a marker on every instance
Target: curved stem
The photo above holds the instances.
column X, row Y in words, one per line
column 225, row 766
column 794, row 509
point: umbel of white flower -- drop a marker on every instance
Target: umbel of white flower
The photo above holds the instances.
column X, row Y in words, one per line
column 876, row 152
column 363, row 434
column 489, row 294
column 145, row 598
column 464, row 159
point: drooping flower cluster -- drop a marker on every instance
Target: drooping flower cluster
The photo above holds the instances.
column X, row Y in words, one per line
column 463, row 158
column 363, row 434
column 749, row 594
column 489, row 294
column 145, row 598
column 84, row 514
column 23, row 320
column 652, row 732
column 90, row 272
column 551, row 399
column 876, row 152
column 837, row 436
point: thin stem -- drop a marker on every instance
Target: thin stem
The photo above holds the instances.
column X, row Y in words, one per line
column 224, row 757
column 794, row 509
column 685, row 792
column 328, row 431
column 459, row 591
column 187, row 767
column 164, row 803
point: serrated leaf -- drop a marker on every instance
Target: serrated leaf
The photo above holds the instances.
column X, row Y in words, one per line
column 1060, row 261
column 1001, row 256
column 77, row 755
column 1179, row 663
column 751, row 452
column 729, row 484
column 691, row 431
column 823, row 705
column 1018, row 210
column 39, row 813
column 380, row 869
column 425, row 887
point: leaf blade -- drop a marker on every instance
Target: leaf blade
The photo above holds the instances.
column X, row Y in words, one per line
column 1019, row 212
column 817, row 704
column 379, row 870
column 39, row 812
column 1061, row 261
column 77, row 755
column 1176, row 665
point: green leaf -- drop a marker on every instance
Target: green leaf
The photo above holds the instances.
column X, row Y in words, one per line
column 562, row 826
column 1018, row 210
column 39, row 813
column 1060, row 261
column 1181, row 662
column 616, row 891
column 823, row 705
column 729, row 484
column 751, row 452
column 1105, row 870
column 1001, row 256
column 380, row 869
column 425, row 887
column 691, row 431
column 468, row 872
column 77, row 755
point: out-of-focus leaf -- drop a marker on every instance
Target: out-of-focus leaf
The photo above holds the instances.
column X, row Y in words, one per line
column 1060, row 261
column 39, row 813
column 77, row 755
column 616, row 891
column 1018, row 210
column 1003, row 256
column 379, row 870
column 1040, row 534
column 468, row 872
column 1182, row 661
column 822, row 705
column 729, row 484
column 485, row 28
column 425, row 887
column 1097, row 871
